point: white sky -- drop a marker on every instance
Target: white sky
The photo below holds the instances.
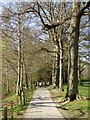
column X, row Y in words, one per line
column 6, row 1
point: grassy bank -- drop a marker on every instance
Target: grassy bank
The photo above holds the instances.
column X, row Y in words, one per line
column 74, row 109
column 18, row 110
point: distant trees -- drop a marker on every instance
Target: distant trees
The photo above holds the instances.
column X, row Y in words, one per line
column 55, row 34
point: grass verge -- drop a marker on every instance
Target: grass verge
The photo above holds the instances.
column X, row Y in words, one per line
column 75, row 109
column 18, row 110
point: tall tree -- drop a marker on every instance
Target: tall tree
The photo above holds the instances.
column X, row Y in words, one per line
column 77, row 13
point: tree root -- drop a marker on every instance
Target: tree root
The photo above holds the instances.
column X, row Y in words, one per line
column 78, row 97
column 81, row 98
column 87, row 98
column 65, row 100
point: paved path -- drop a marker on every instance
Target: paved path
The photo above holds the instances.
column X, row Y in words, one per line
column 42, row 106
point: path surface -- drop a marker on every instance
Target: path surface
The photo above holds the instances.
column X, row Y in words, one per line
column 42, row 106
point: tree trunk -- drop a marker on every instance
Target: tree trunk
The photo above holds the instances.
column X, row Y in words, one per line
column 53, row 74
column 19, row 82
column 61, row 67
column 57, row 49
column 54, row 66
column 67, row 93
column 7, row 78
column 73, row 62
column 60, row 47
column 57, row 65
column 26, row 79
column 61, row 59
column 54, row 43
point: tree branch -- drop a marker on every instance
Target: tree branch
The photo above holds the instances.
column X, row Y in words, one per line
column 81, row 11
column 53, row 25
column 10, row 63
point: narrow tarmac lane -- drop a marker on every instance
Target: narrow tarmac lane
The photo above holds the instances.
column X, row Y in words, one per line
column 42, row 106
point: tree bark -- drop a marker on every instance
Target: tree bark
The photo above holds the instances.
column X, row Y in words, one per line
column 60, row 47
column 73, row 62
column 19, row 81
column 53, row 39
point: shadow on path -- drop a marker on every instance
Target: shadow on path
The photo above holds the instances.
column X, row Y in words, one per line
column 42, row 106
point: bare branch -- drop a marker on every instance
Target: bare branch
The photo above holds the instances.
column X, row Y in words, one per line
column 10, row 63
column 81, row 11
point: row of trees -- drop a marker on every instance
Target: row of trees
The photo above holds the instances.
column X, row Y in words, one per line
column 64, row 30
column 53, row 45
column 20, row 51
